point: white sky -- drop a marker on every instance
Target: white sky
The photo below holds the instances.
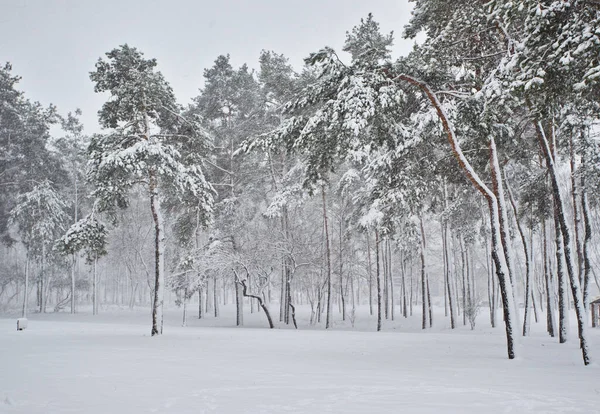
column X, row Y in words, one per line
column 54, row 44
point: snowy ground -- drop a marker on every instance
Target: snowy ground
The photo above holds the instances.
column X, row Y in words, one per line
column 109, row 364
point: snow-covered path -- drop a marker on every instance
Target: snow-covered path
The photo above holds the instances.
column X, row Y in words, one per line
column 58, row 366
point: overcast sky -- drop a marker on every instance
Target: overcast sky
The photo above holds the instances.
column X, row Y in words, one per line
column 54, row 44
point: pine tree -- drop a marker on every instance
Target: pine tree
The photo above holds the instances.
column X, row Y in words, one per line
column 142, row 148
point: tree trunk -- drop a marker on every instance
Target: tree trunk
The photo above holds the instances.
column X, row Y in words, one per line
column 527, row 257
column 464, row 265
column 26, row 293
column 411, row 288
column 404, row 297
column 563, row 300
column 341, row 251
column 185, row 293
column 95, row 286
column 391, row 277
column 200, row 308
column 370, row 270
column 328, row 258
column 448, row 284
column 215, row 297
column 73, row 284
column 244, row 293
column 423, row 276
column 159, row 249
column 587, row 235
column 575, row 286
column 497, row 255
column 549, row 289
column 378, row 276
column 239, row 302
column 576, row 219
column 384, row 262
column 429, row 303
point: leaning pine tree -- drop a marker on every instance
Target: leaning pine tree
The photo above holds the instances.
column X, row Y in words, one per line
column 144, row 145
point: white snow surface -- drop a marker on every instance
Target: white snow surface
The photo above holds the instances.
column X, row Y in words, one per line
column 109, row 364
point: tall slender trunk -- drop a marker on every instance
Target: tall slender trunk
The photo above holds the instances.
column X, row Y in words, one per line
column 159, row 240
column 185, row 300
column 370, row 270
column 283, row 296
column 378, row 275
column 239, row 302
column 26, row 293
column 468, row 272
column 411, row 288
column 491, row 287
column 215, row 297
column 95, row 286
column 575, row 286
column 563, row 300
column 448, row 284
column 74, row 259
column 43, row 281
column 73, row 283
column 391, row 277
column 527, row 256
column 587, row 235
column 341, row 251
column 576, row 218
column 328, row 258
column 429, row 309
column 423, row 276
column 385, row 279
column 549, row 289
column 403, row 270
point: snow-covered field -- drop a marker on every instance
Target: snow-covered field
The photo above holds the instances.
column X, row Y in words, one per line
column 109, row 364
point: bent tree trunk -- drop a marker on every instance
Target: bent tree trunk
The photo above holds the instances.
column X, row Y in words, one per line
column 242, row 284
column 159, row 251
column 498, row 253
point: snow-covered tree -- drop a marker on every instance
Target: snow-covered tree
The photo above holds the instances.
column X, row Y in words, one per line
column 40, row 218
column 143, row 148
column 87, row 235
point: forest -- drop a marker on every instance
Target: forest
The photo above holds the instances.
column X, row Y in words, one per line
column 462, row 177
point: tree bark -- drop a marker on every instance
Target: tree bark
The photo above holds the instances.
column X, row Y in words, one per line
column 497, row 251
column 328, row 258
column 378, row 276
column 576, row 218
column 575, row 286
column 527, row 257
column 159, row 239
column 563, row 300
column 370, row 270
column 26, row 293
column 587, row 235
column 244, row 287
column 73, row 284
column 448, row 284
column 549, row 288
column 95, row 287
column 423, row 277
